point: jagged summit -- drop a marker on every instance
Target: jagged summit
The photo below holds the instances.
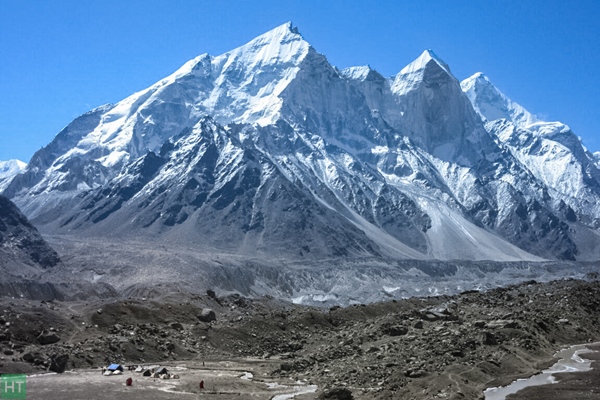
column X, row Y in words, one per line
column 279, row 45
column 491, row 104
column 428, row 66
column 478, row 78
column 474, row 77
column 363, row 73
column 423, row 61
column 359, row 72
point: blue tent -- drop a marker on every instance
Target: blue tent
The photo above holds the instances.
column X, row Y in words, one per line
column 114, row 367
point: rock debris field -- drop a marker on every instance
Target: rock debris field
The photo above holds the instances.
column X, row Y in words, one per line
column 448, row 347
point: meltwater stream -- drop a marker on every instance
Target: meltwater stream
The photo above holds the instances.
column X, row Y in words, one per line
column 569, row 362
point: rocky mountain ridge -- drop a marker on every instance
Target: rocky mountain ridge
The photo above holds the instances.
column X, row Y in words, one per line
column 20, row 242
column 269, row 150
column 25, row 257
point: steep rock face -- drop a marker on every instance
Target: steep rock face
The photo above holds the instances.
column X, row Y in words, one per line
column 436, row 115
column 20, row 242
column 300, row 159
column 207, row 188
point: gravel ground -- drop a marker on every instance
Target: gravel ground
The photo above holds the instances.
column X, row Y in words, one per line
column 450, row 347
column 222, row 379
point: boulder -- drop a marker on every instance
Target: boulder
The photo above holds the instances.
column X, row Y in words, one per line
column 479, row 324
column 177, row 326
column 286, row 367
column 48, row 338
column 488, row 339
column 397, row 330
column 336, row 394
column 207, row 315
column 414, row 373
column 58, row 363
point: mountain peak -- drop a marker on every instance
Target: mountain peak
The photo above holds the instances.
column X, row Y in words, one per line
column 427, row 66
column 477, row 79
column 282, row 45
column 8, row 170
column 282, row 31
column 5, row 166
column 292, row 28
column 491, row 104
column 423, row 61
column 283, row 34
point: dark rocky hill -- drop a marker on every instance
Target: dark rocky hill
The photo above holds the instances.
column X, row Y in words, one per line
column 21, row 243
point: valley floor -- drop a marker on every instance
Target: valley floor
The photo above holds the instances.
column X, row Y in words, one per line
column 226, row 379
column 450, row 347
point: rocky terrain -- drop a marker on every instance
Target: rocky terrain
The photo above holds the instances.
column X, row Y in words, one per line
column 20, row 242
column 421, row 348
column 25, row 256
column 31, row 268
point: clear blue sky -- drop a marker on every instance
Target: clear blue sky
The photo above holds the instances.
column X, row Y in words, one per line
column 59, row 59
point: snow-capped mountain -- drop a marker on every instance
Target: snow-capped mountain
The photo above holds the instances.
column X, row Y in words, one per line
column 8, row 169
column 550, row 150
column 270, row 151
